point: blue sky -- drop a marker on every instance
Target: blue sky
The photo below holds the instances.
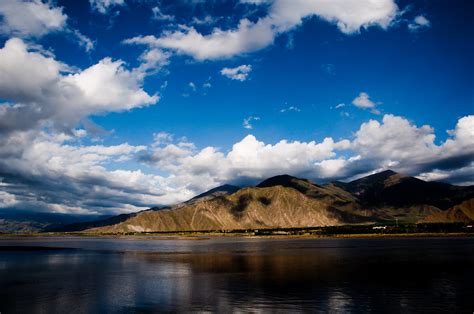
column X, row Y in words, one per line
column 142, row 103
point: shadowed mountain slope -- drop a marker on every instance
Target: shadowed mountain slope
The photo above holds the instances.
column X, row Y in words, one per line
column 269, row 207
column 391, row 189
column 463, row 213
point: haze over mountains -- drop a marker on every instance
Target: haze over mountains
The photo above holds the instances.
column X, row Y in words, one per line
column 285, row 201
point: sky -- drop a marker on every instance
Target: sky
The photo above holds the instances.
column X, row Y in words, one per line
column 115, row 106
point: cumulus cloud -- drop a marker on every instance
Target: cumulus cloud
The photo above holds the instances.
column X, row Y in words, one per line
column 248, row 159
column 23, row 18
column 283, row 16
column 247, row 123
column 363, row 101
column 398, row 144
column 42, row 90
column 103, row 6
column 239, row 73
column 30, row 18
column 419, row 22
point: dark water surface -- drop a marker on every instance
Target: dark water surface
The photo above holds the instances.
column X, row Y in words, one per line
column 89, row 275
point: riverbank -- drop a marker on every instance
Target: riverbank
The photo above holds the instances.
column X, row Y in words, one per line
column 347, row 231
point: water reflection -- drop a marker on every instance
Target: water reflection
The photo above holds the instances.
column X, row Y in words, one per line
column 243, row 275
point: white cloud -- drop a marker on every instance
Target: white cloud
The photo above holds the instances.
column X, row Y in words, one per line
column 160, row 16
column 248, row 159
column 206, row 20
column 44, row 91
column 239, row 73
column 152, row 61
column 363, row 101
column 340, row 105
column 30, row 18
column 7, row 199
column 162, row 138
column 349, row 16
column 108, row 86
column 247, row 123
column 290, row 108
column 395, row 139
column 217, row 45
column 418, row 23
column 399, row 144
column 103, row 6
column 84, row 41
column 35, row 18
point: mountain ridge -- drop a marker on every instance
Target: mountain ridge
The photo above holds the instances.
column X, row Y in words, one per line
column 286, row 201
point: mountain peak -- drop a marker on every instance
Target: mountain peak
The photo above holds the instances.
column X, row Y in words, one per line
column 283, row 180
column 379, row 176
column 224, row 189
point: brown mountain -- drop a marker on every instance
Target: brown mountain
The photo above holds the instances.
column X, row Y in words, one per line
column 285, row 201
column 391, row 189
column 463, row 213
column 268, row 207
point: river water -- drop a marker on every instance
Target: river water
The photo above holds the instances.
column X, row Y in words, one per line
column 106, row 275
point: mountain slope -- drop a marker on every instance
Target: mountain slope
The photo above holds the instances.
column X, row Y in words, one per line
column 463, row 213
column 390, row 189
column 225, row 189
column 266, row 207
column 329, row 194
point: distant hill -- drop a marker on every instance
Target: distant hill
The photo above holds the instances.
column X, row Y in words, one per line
column 463, row 213
column 21, row 221
column 284, row 201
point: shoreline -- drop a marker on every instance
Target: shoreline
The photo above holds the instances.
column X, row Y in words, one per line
column 208, row 236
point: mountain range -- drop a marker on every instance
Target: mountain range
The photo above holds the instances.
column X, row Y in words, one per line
column 289, row 202
column 278, row 202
